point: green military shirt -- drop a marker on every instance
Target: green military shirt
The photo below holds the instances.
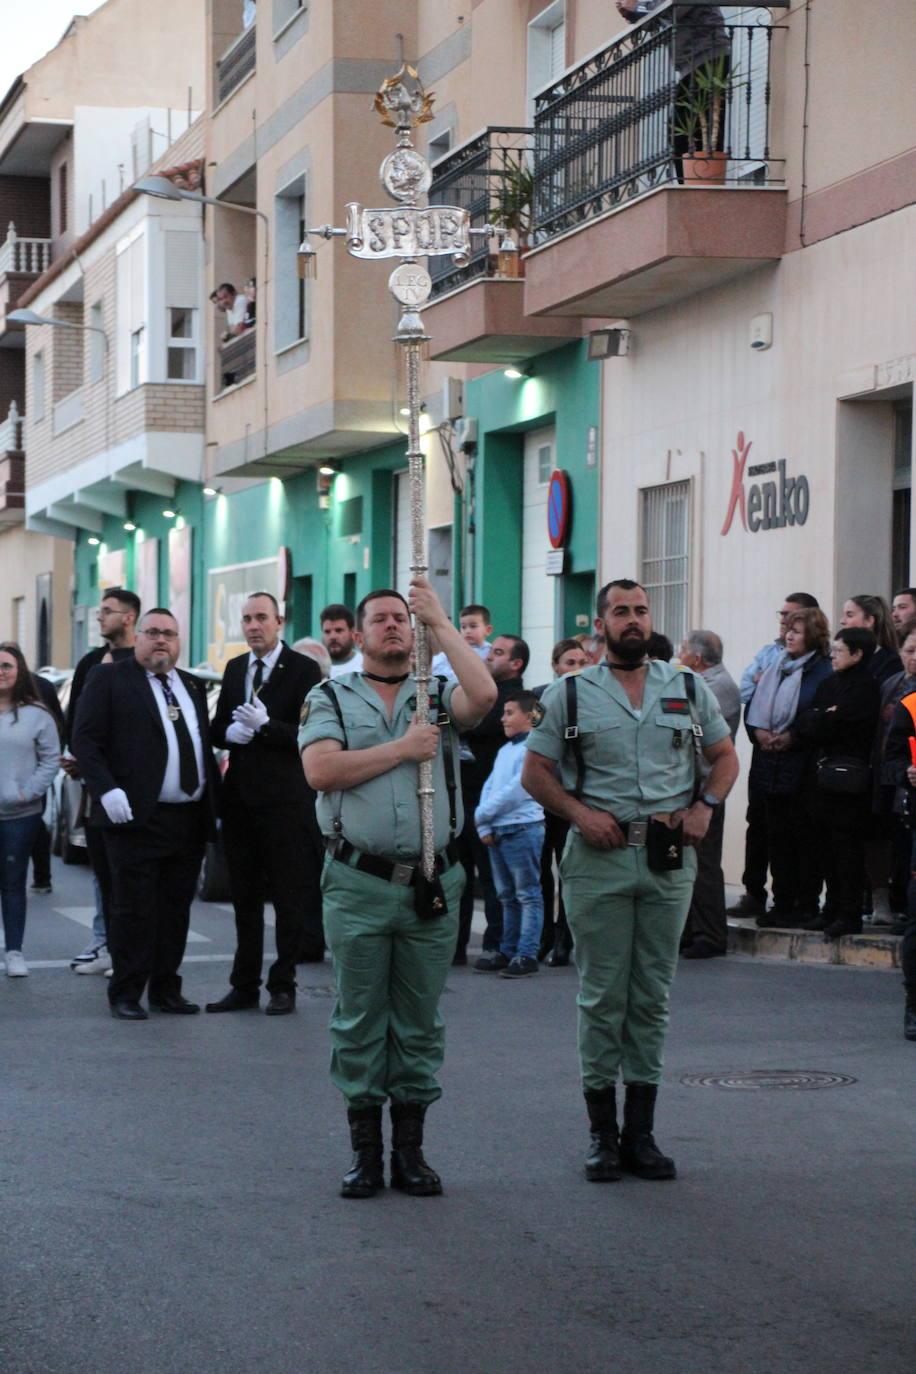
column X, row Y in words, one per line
column 381, row 816
column 636, row 762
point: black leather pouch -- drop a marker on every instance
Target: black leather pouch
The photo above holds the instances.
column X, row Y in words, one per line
column 664, row 847
column 429, row 897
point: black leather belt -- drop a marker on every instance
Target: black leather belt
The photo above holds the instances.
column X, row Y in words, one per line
column 389, row 870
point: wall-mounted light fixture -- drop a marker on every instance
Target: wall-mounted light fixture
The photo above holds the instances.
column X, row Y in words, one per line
column 129, row 526
column 93, row 541
column 609, row 343
column 515, row 374
column 169, row 514
column 212, row 491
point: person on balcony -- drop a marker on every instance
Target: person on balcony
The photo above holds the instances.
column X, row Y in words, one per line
column 702, row 58
column 234, row 305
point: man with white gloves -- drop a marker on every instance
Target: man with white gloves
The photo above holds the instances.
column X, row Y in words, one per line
column 141, row 738
column 273, row 848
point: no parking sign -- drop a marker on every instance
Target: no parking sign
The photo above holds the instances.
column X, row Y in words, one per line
column 559, row 508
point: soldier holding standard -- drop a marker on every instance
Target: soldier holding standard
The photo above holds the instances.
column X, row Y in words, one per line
column 391, row 932
column 616, row 754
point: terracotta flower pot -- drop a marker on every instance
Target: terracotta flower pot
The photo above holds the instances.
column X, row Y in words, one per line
column 709, row 168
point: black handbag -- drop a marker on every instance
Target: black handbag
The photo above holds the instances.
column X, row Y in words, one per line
column 844, row 776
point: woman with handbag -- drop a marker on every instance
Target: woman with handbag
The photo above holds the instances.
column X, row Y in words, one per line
column 781, row 767
column 841, row 725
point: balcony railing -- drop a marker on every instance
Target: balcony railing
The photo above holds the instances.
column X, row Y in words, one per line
column 25, row 257
column 487, row 177
column 238, row 359
column 236, row 63
column 681, row 97
column 11, row 431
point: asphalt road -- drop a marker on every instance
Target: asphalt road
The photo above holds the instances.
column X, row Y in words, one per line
column 169, row 1189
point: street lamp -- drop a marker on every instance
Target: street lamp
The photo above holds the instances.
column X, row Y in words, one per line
column 163, row 189
column 409, row 232
column 33, row 317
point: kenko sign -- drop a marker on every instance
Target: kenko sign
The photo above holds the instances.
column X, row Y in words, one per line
column 765, row 505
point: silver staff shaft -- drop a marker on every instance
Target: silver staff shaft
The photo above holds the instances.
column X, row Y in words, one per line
column 418, row 567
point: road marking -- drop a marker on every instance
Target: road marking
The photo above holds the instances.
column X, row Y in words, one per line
column 188, row 959
column 85, row 916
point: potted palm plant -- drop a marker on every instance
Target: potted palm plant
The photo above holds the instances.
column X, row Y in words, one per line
column 699, row 112
column 512, row 214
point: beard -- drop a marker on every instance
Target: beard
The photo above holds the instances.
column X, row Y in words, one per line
column 631, row 646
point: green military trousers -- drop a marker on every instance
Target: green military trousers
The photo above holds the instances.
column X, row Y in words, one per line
column 627, row 923
column 387, row 1037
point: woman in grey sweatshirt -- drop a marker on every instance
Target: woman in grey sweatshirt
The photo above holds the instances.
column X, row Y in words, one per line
column 29, row 759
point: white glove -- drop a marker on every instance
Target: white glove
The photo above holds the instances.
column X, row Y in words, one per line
column 237, row 733
column 253, row 715
column 117, row 807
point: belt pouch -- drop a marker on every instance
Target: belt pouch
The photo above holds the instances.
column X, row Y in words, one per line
column 664, row 847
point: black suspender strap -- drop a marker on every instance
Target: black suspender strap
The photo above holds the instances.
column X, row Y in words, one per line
column 333, row 699
column 571, row 735
column 690, row 689
column 443, row 720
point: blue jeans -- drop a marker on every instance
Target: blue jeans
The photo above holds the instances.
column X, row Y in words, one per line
column 515, row 859
column 16, row 839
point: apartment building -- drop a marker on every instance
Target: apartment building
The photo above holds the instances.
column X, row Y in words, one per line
column 118, row 92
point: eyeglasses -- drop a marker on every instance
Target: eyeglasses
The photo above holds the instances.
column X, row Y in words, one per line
column 160, row 634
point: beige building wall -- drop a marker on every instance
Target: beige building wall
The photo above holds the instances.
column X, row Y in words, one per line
column 24, row 556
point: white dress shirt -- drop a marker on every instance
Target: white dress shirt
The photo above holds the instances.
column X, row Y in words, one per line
column 268, row 660
column 171, row 785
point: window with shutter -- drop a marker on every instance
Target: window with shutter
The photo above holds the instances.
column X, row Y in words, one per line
column 665, row 556
column 747, row 133
column 130, row 287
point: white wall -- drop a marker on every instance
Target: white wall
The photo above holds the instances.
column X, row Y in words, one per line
column 843, row 323
column 102, row 138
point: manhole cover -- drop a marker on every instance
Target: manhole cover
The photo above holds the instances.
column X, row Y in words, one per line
column 761, row 1080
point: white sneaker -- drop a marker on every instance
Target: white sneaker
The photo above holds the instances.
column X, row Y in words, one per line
column 97, row 960
column 16, row 966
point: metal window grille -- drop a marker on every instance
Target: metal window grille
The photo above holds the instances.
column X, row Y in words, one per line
column 665, row 561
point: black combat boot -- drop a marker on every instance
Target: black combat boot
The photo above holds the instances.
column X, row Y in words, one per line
column 602, row 1163
column 639, row 1153
column 409, row 1170
column 367, row 1172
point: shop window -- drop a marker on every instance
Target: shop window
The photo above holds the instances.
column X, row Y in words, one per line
column 665, row 556
column 182, row 345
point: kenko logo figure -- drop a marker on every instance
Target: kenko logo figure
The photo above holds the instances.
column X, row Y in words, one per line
column 766, row 505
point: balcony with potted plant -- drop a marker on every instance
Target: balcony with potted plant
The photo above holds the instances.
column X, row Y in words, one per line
column 653, row 175
column 476, row 312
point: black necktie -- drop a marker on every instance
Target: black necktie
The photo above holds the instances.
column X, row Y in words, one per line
column 188, row 776
column 258, row 678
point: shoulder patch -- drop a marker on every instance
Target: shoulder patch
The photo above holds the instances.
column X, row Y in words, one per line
column 537, row 714
column 676, row 706
column 304, row 711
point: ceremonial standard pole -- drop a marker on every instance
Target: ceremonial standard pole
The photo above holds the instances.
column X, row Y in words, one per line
column 408, row 232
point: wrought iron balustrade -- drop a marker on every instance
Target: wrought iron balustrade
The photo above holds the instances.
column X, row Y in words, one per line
column 486, row 177
column 679, row 97
column 236, row 63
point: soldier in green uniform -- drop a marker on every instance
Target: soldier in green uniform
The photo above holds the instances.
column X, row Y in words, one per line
column 615, row 754
column 391, row 935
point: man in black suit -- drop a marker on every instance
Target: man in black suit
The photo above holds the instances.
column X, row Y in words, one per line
column 269, row 830
column 118, row 614
column 142, row 742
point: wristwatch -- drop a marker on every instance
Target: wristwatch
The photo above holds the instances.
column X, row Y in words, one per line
column 709, row 800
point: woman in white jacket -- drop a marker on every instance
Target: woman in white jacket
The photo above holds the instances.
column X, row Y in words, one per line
column 29, row 759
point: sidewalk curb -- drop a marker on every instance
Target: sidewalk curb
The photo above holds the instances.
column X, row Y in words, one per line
column 810, row 947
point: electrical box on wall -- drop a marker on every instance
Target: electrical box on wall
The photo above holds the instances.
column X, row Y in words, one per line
column 452, row 398
column 761, row 334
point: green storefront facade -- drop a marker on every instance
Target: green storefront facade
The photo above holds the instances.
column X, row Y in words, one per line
column 207, row 550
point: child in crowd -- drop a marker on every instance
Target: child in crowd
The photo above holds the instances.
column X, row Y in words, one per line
column 474, row 623
column 511, row 824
